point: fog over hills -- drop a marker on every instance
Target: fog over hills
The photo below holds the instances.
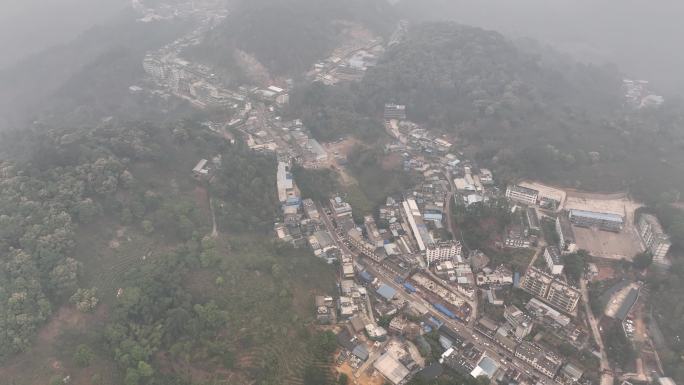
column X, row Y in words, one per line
column 28, row 26
column 624, row 32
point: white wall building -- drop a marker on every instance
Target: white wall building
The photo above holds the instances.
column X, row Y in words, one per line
column 521, row 194
column 444, row 251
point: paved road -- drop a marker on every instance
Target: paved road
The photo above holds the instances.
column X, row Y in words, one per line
column 331, row 229
column 606, row 373
column 481, row 342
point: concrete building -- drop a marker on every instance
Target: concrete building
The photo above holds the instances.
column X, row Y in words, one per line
column 553, row 259
column 566, row 235
column 340, row 208
column 415, row 220
column 604, row 221
column 284, row 181
column 486, row 176
column 390, row 368
column 500, row 276
column 532, row 219
column 536, row 282
column 317, row 151
column 563, row 296
column 368, row 249
column 395, row 111
column 522, row 195
column 572, row 372
column 543, row 360
column 485, row 367
column 521, row 323
column 654, row 238
column 201, row 170
column 546, row 314
column 310, row 209
column 443, row 251
column 553, row 291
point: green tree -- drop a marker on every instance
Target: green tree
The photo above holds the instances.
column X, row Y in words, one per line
column 314, row 375
column 144, row 369
column 642, row 261
column 83, row 356
column 132, row 377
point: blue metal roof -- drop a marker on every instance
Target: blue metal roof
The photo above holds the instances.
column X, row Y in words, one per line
column 488, row 366
column 386, row 292
column 360, row 351
column 627, row 304
column 595, row 215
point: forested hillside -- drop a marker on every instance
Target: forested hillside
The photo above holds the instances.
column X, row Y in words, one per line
column 87, row 77
column 522, row 109
column 289, row 36
column 80, row 212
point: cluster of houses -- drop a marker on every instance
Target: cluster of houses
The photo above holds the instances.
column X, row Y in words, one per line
column 639, row 95
column 348, row 62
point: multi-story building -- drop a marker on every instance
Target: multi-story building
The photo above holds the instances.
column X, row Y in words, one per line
column 521, row 323
column 536, row 282
column 359, row 242
column 553, row 259
column 486, row 176
column 340, row 207
column 521, row 194
column 443, row 251
column 543, row 360
column 500, row 276
column 653, row 236
column 372, row 231
column 310, row 209
column 532, row 219
column 553, row 291
column 604, row 221
column 563, row 296
column 566, row 235
column 395, row 111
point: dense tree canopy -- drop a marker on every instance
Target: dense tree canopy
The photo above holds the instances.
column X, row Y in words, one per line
column 288, row 36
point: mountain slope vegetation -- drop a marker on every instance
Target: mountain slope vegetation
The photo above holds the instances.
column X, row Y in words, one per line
column 288, row 36
column 527, row 111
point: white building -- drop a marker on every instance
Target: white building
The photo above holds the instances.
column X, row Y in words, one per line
column 444, row 251
column 284, row 181
column 521, row 194
column 553, row 259
column 655, row 239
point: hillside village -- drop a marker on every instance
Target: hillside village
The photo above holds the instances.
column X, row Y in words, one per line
column 414, row 297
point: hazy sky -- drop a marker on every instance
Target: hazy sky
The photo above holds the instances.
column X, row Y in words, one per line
column 643, row 37
column 27, row 26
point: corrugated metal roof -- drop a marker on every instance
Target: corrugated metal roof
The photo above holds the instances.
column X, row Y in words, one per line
column 627, row 304
column 595, row 215
column 386, row 292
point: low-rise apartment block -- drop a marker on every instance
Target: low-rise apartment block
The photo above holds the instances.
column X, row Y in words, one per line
column 604, row 221
column 522, row 195
column 541, row 359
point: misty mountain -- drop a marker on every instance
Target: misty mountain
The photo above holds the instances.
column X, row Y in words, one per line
column 30, row 26
column 522, row 109
column 638, row 36
column 288, row 36
column 91, row 69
